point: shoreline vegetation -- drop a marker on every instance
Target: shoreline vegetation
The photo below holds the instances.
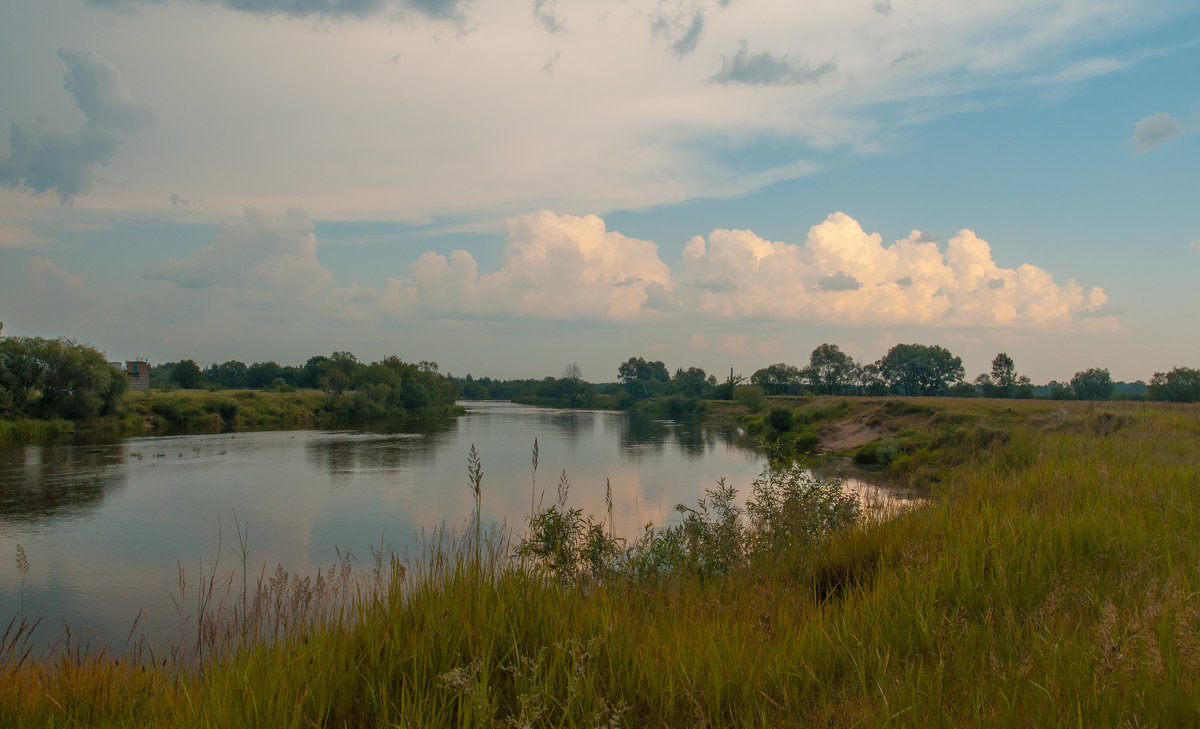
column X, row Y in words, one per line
column 175, row 412
column 54, row 388
column 1049, row 579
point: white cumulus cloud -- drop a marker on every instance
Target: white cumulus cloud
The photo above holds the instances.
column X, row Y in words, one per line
column 843, row 275
column 571, row 268
column 555, row 267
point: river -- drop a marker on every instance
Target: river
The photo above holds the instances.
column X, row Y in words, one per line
column 107, row 528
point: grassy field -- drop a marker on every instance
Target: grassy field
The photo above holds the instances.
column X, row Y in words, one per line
column 1052, row 579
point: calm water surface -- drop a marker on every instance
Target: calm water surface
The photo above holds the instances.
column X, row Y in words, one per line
column 107, row 528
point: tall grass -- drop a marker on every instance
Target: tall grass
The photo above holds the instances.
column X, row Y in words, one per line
column 1050, row 581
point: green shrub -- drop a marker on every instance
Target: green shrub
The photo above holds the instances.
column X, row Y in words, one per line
column 780, row 419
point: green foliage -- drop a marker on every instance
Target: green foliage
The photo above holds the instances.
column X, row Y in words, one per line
column 917, row 369
column 1092, row 384
column 1181, row 384
column 749, row 395
column 830, row 370
column 641, row 378
column 692, row 382
column 57, row 379
column 186, row 373
column 778, row 379
column 231, row 375
column 780, row 419
column 788, row 511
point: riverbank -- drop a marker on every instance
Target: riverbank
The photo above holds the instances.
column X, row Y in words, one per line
column 164, row 412
column 1050, row 581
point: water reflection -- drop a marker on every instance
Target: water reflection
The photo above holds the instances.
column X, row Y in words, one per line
column 408, row 445
column 107, row 528
column 642, row 436
column 42, row 484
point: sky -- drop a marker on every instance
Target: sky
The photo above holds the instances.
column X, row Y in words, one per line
column 509, row 187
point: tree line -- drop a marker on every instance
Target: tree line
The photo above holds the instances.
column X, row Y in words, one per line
column 917, row 369
column 905, row 370
column 388, row 387
column 59, row 378
column 46, row 379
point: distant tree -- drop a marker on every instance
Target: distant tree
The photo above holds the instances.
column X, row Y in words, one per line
column 1060, row 391
column 229, row 375
column 870, row 380
column 187, row 374
column 1004, row 371
column 263, row 375
column 315, row 372
column 641, row 378
column 917, row 369
column 986, row 386
column 830, row 370
column 1092, row 384
column 693, row 382
column 963, row 389
column 1003, row 381
column 571, row 387
column 777, row 379
column 1181, row 384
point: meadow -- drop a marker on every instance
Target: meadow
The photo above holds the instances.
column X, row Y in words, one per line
column 1050, row 579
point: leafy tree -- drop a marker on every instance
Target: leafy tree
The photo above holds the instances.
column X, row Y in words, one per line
column 229, row 375
column 830, row 370
column 1181, row 384
column 917, row 369
column 641, row 378
column 870, row 380
column 315, row 372
column 1004, row 373
column 1092, row 384
column 187, row 374
column 778, row 379
column 693, row 381
column 57, row 378
column 1004, row 380
column 1059, row 391
column 963, row 389
column 263, row 375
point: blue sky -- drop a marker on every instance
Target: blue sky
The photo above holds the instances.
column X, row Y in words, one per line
column 509, row 187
